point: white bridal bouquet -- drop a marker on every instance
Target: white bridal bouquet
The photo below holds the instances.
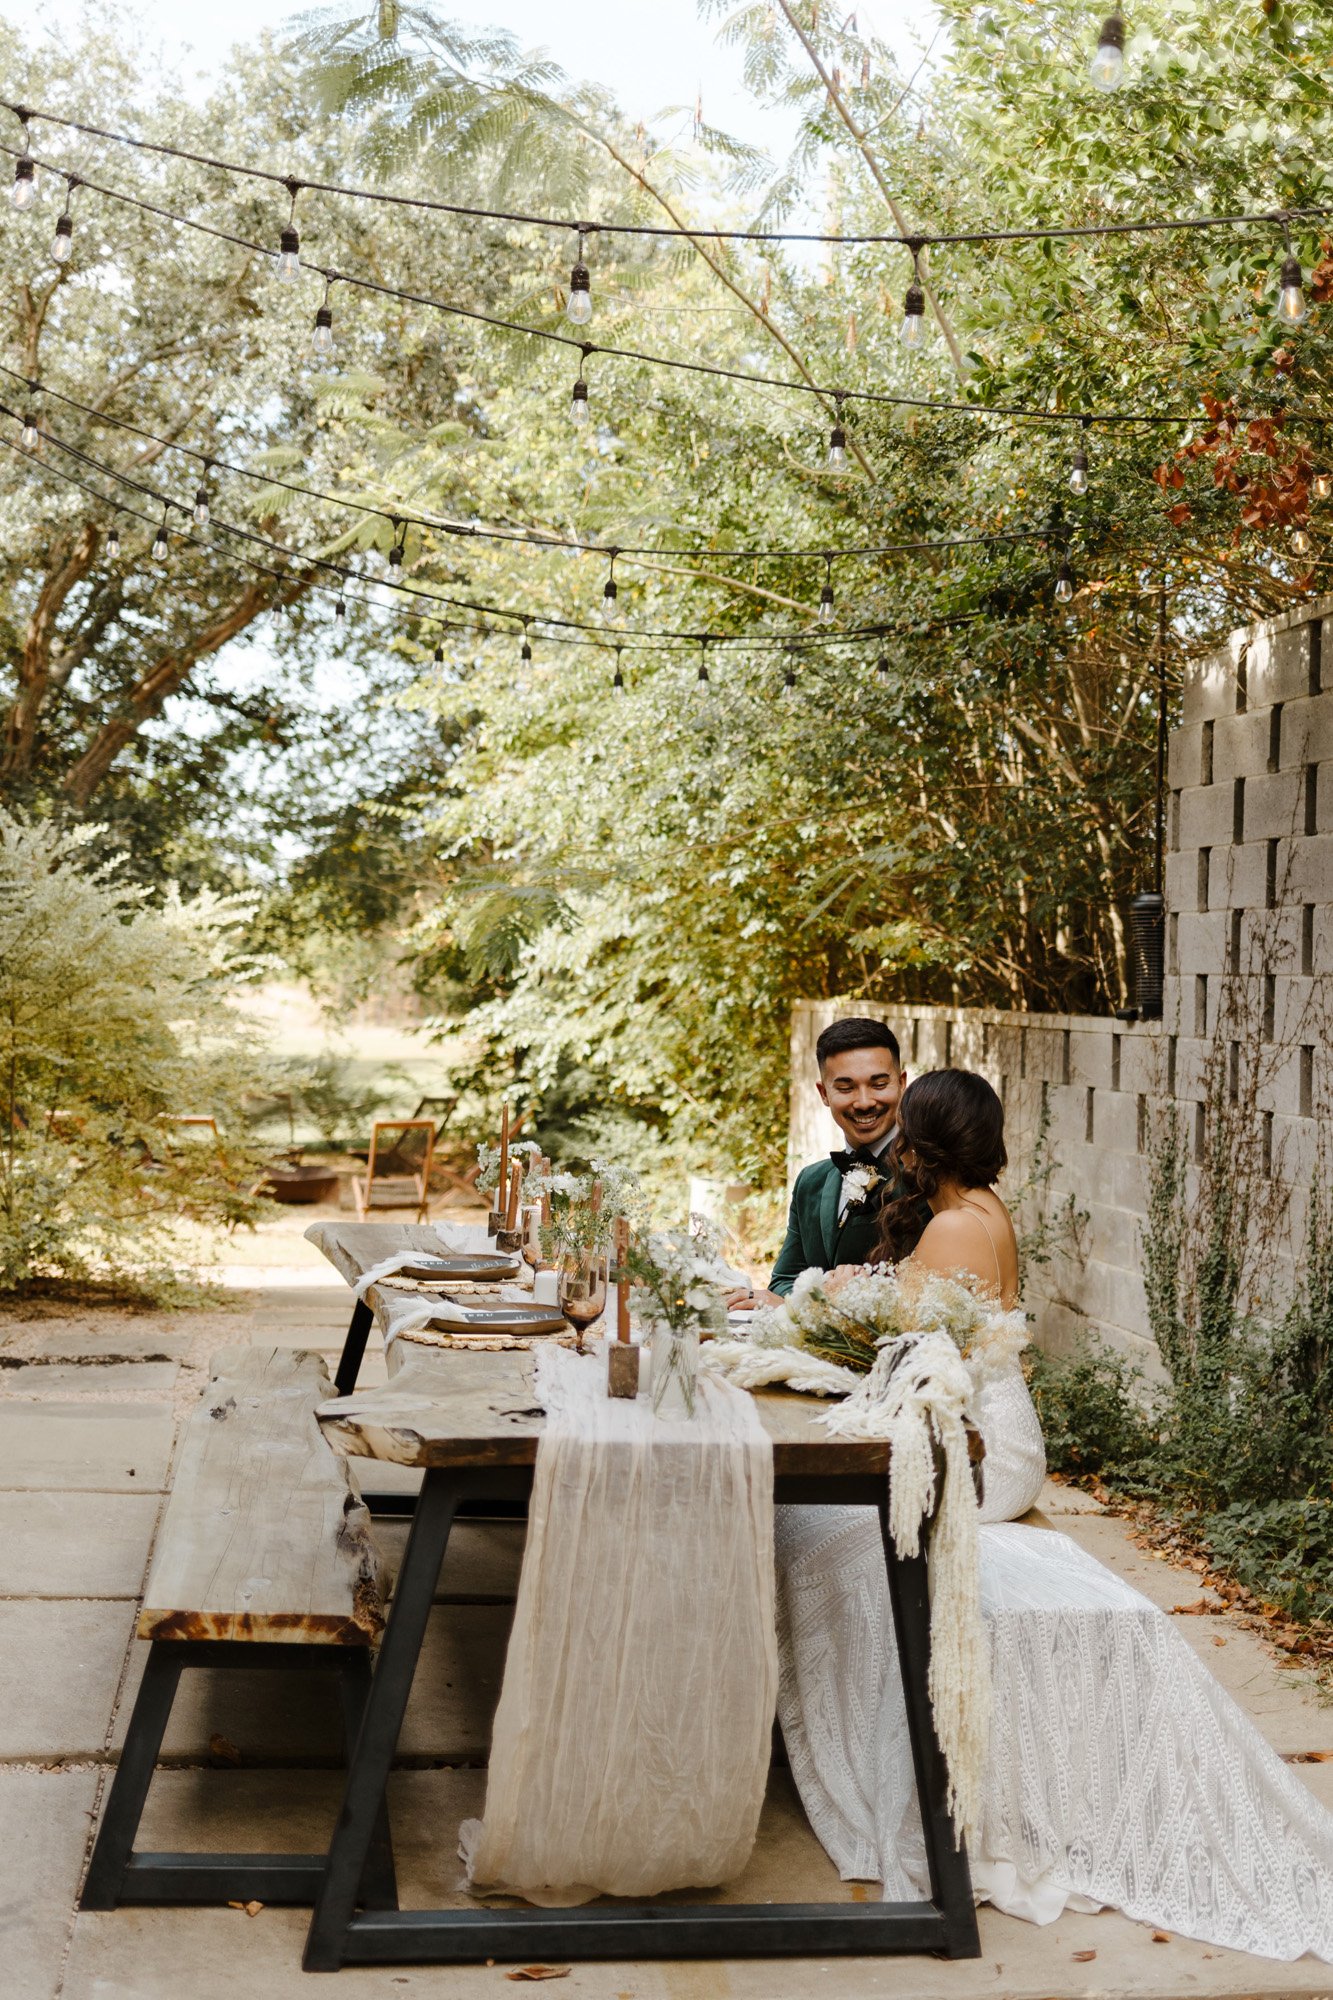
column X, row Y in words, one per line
column 828, row 1335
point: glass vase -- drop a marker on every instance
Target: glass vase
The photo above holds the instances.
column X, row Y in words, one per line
column 675, row 1375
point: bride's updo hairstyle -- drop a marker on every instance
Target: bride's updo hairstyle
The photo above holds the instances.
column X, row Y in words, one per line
column 952, row 1122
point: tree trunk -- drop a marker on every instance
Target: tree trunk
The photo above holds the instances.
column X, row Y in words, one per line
column 146, row 698
column 72, row 561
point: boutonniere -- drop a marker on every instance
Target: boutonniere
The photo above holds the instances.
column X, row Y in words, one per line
column 860, row 1184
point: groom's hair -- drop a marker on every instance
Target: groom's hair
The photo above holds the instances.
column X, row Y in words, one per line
column 860, row 1032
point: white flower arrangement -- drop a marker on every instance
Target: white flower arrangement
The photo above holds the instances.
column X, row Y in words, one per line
column 575, row 1225
column 683, row 1278
column 488, row 1159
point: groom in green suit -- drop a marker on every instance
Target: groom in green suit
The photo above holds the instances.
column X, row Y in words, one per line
column 835, row 1205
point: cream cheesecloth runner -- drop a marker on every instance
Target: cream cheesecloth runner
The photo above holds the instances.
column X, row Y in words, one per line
column 632, row 1738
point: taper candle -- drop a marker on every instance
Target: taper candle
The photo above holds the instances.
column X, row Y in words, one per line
column 515, row 1191
column 503, row 1180
column 622, row 1282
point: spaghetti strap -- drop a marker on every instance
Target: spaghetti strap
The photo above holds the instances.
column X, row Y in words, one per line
column 999, row 1275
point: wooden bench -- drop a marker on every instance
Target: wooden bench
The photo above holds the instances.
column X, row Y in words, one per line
column 264, row 1559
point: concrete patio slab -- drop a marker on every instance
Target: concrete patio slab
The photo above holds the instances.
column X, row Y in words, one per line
column 75, row 1544
column 62, row 1378
column 112, row 1447
column 59, row 1666
column 44, row 1820
column 149, row 1337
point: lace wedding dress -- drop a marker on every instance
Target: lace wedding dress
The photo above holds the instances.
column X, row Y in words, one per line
column 1119, row 1772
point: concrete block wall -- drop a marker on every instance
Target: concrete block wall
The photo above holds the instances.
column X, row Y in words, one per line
column 1249, row 894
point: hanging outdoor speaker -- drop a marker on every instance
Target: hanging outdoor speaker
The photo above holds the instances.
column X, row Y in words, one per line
column 1147, row 946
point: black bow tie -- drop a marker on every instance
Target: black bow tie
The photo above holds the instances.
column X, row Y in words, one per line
column 857, row 1156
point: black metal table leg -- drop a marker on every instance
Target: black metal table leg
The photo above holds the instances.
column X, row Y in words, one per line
column 946, row 1856
column 381, row 1720
column 379, row 1880
column 354, row 1347
column 129, row 1787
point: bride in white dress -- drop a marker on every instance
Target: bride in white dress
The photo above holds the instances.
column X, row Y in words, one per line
column 1119, row 1773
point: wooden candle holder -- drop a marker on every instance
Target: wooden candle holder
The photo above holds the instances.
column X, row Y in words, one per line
column 622, row 1369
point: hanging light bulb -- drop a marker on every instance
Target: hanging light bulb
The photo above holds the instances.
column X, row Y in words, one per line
column 396, row 551
column 323, row 340
column 882, row 667
column 63, row 240
column 837, row 443
column 289, row 243
column 1077, row 473
column 611, row 610
column 618, row 679
column 160, row 545
column 1323, row 485
column 826, row 594
column 578, row 310
column 1064, row 583
column 525, row 650
column 201, row 508
column 1291, row 295
column 912, row 333
column 340, row 612
column 578, row 402
column 789, row 683
column 30, row 437
column 112, row 543
column 704, row 684
column 24, row 191
column 1108, row 63
column 439, row 656
column 1300, row 541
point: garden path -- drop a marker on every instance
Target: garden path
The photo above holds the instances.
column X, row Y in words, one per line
column 90, row 1409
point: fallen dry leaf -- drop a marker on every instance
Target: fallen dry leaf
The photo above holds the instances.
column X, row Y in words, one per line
column 224, row 1750
column 1218, row 1640
column 1161, row 1937
column 251, row 1909
column 1199, row 1609
column 1082, row 1957
column 540, row 1972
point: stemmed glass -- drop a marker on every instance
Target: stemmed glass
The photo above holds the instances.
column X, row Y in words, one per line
column 582, row 1289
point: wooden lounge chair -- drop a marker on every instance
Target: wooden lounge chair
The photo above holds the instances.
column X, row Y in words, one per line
column 397, row 1166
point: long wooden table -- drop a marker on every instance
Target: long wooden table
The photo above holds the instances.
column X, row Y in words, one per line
column 471, row 1423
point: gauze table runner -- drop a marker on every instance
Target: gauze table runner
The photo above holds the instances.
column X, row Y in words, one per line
column 632, row 1738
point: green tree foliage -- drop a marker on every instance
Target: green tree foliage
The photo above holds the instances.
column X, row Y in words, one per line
column 970, row 822
column 636, row 891
column 115, row 1020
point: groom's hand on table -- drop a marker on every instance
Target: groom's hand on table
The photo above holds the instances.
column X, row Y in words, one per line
column 744, row 1298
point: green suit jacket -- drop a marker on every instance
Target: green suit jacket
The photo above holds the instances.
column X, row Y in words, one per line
column 815, row 1236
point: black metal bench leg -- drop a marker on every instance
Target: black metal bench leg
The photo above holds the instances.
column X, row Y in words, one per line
column 354, row 1347
column 950, row 1878
column 129, row 1787
column 381, row 1721
column 379, row 1880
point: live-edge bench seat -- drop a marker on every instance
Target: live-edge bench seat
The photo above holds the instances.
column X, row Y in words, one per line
column 264, row 1559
